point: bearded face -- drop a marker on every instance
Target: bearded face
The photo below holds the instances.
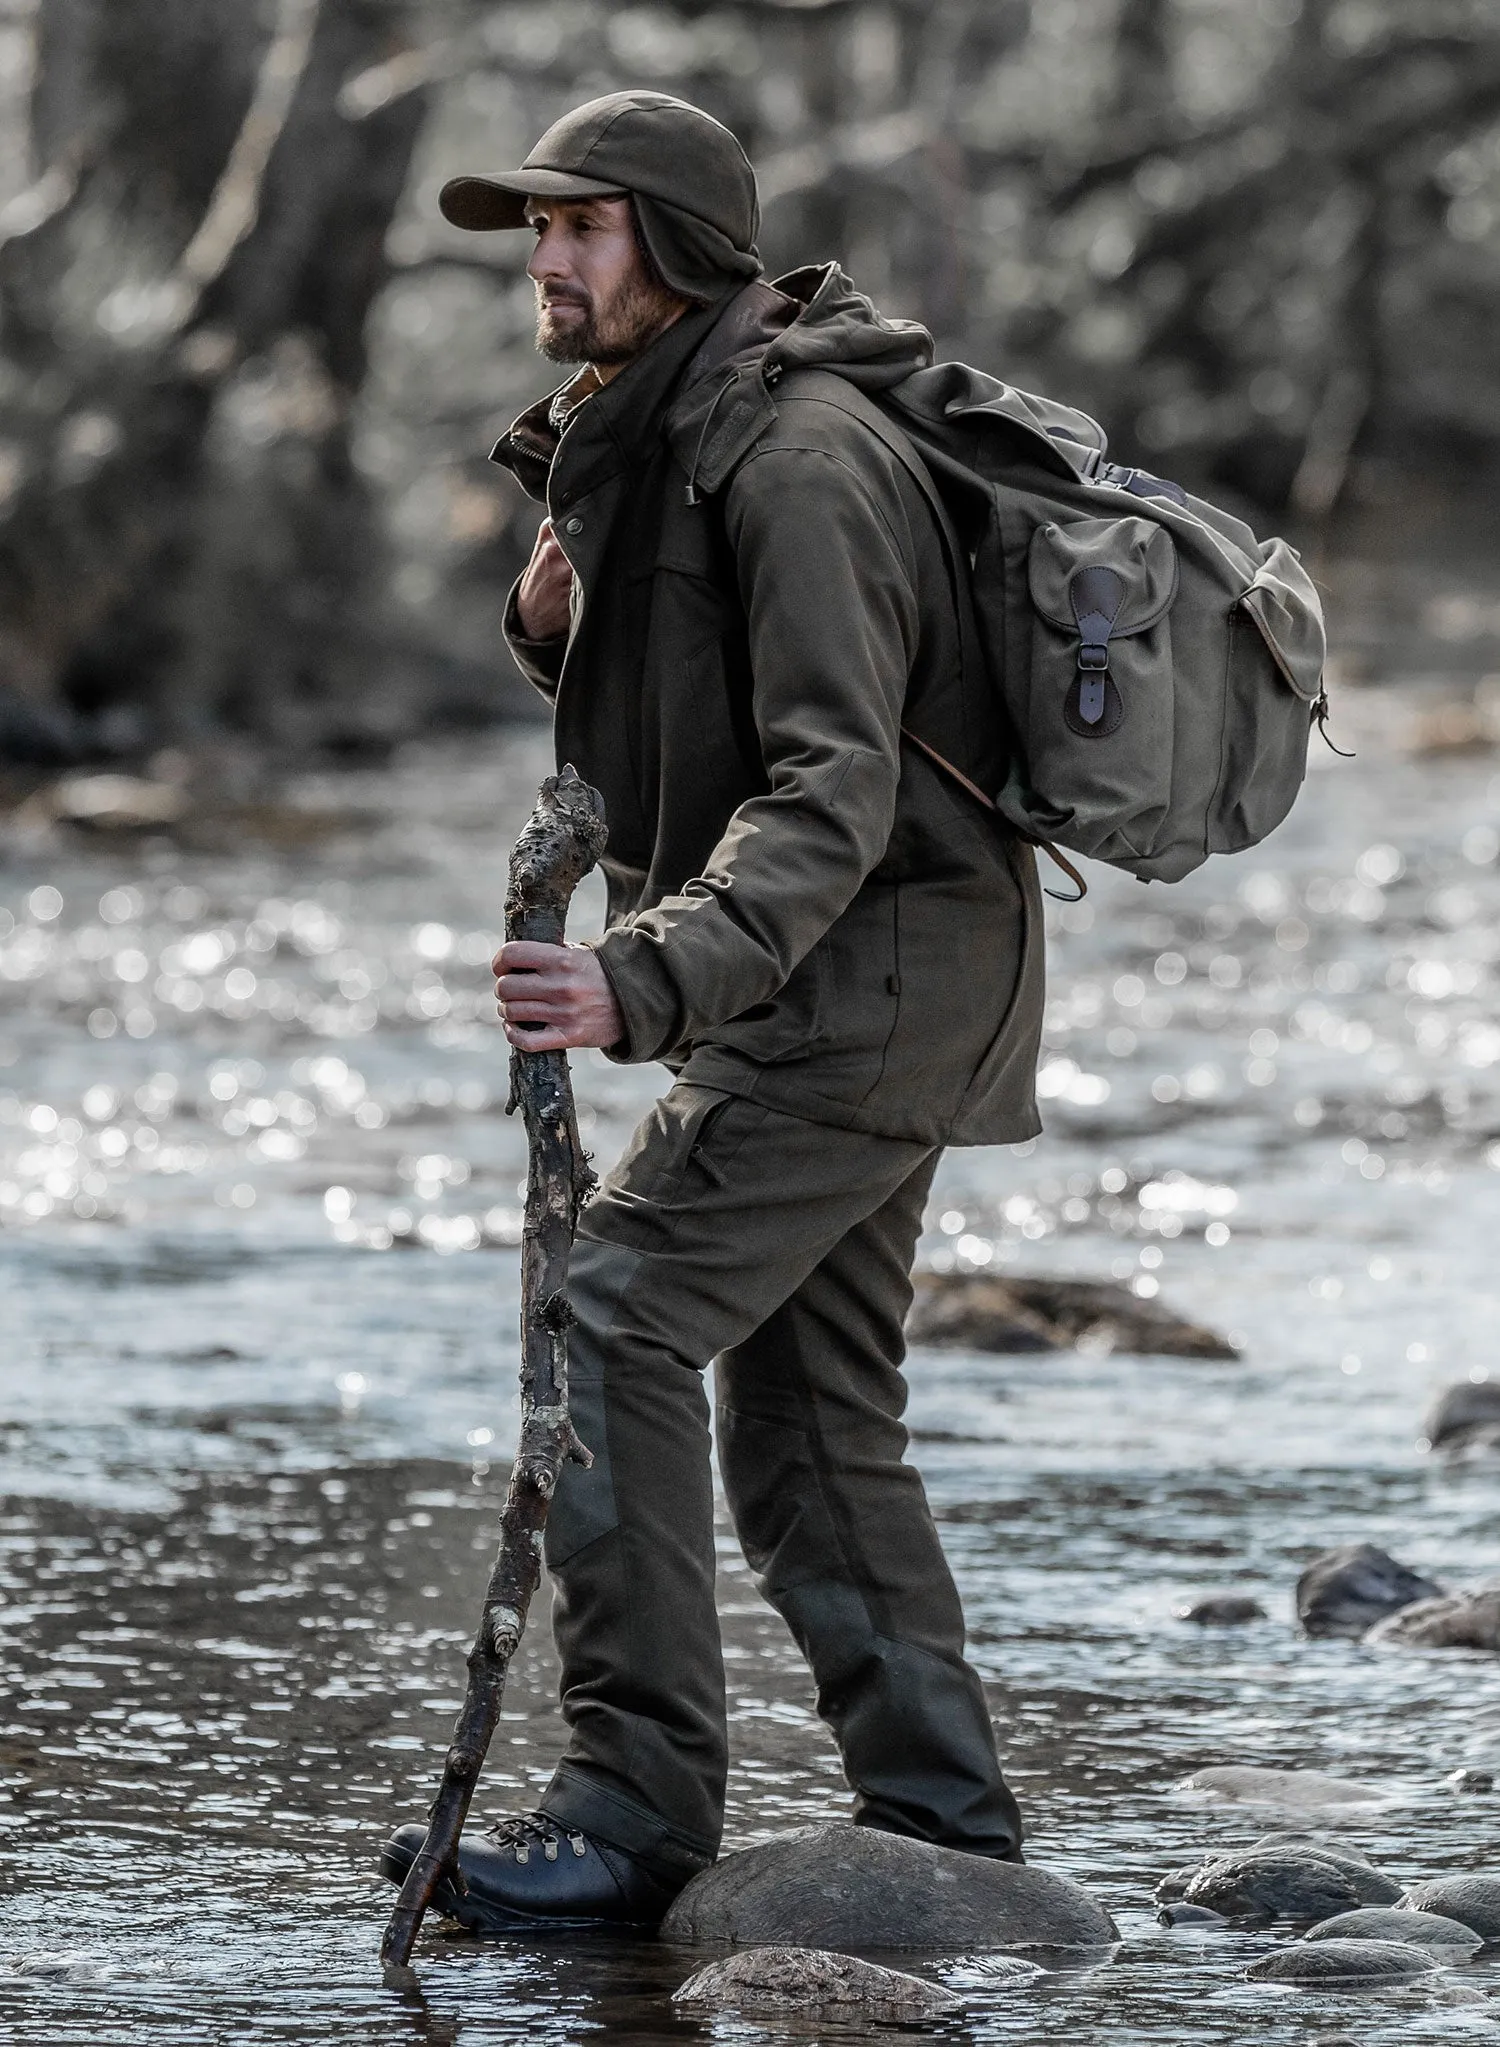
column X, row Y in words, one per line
column 598, row 297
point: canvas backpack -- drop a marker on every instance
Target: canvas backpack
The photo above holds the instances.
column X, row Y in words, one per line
column 1158, row 666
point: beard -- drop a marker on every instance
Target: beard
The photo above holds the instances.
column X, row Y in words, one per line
column 609, row 330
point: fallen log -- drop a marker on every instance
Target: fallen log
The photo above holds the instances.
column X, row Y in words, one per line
column 561, row 841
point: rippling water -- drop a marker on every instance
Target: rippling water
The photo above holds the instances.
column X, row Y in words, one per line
column 259, row 1202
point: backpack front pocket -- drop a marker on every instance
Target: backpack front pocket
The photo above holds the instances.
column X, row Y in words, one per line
column 1098, row 730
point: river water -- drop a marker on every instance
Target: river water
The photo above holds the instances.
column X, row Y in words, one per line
column 259, row 1206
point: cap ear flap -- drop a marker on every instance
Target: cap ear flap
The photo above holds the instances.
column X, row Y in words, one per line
column 694, row 258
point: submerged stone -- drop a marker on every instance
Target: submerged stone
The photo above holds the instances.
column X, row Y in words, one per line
column 1288, row 1883
column 1345, row 1591
column 1293, row 1791
column 1474, row 1901
column 1223, row 1610
column 1455, row 1620
column 1399, row 1923
column 817, row 1983
column 1343, row 1961
column 839, row 1886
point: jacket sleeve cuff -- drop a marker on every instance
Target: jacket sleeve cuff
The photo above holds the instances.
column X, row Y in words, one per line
column 647, row 997
column 540, row 661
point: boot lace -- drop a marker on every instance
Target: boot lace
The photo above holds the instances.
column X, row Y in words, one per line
column 524, row 1831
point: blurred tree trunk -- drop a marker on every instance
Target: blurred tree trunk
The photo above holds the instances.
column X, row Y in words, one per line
column 1143, row 60
column 183, row 296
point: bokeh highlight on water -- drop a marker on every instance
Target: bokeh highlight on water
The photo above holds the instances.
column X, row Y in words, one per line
column 260, row 1200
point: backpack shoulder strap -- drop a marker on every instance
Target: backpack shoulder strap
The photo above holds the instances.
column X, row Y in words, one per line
column 836, row 390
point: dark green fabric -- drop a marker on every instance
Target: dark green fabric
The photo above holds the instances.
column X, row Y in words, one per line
column 694, row 189
column 802, row 909
column 783, row 1249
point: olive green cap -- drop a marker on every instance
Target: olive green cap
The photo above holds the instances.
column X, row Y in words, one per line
column 694, row 187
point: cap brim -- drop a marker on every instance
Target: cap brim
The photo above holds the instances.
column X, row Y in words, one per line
column 500, row 201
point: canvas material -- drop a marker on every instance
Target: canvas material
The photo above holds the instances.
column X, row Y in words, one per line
column 1214, row 660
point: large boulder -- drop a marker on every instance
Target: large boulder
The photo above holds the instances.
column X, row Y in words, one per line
column 817, row 1985
column 1457, row 1620
column 1399, row 1922
column 1296, row 1883
column 1304, row 1793
column 1344, row 1961
column 838, row 1886
column 1345, row 1591
column 1474, row 1901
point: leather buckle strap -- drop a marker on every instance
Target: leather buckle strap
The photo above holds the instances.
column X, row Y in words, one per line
column 1043, row 845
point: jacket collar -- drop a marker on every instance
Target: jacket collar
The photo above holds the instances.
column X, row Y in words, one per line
column 617, row 426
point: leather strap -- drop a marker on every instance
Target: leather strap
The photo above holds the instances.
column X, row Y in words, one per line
column 834, row 390
column 1043, row 845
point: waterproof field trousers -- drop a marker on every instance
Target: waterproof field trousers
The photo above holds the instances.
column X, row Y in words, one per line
column 782, row 1249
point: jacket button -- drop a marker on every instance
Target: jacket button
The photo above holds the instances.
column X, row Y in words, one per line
column 573, row 525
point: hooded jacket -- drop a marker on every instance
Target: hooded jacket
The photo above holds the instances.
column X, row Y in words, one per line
column 803, row 909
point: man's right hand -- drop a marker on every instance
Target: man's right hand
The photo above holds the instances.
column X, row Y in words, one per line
column 542, row 599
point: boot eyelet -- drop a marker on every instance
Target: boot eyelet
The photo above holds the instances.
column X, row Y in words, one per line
column 549, row 1847
column 577, row 1843
column 523, row 1853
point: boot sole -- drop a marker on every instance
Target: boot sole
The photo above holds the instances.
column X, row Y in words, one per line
column 479, row 1914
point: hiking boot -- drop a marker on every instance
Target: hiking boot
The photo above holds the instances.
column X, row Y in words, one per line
column 531, row 1871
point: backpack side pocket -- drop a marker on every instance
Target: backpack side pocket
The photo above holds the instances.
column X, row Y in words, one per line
column 1275, row 677
column 1098, row 728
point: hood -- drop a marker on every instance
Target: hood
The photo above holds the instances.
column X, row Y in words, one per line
column 812, row 319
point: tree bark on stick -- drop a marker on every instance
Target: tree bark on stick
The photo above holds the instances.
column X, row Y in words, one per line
column 561, row 841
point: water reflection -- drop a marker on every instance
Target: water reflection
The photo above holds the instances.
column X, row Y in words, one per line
column 253, row 1459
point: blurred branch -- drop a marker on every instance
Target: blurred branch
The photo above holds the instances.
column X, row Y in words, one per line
column 235, row 204
column 40, row 202
column 1321, row 474
column 1333, row 93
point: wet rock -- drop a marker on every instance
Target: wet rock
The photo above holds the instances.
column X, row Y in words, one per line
column 838, row 1886
column 1346, row 1590
column 1189, row 1915
column 1288, row 1883
column 1474, row 1901
column 1224, row 1610
column 1470, row 1780
column 1175, row 1884
column 1455, row 1620
column 1343, row 1961
column 821, row 1985
column 977, row 1311
column 1463, row 1417
column 1320, row 1844
column 1303, row 1792
column 1397, row 1922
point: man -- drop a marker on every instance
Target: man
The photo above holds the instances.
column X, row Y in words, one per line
column 741, row 599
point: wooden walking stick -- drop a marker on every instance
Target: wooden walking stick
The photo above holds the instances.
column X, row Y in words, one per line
column 561, row 841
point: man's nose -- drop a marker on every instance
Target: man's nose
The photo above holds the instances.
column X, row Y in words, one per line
column 549, row 263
